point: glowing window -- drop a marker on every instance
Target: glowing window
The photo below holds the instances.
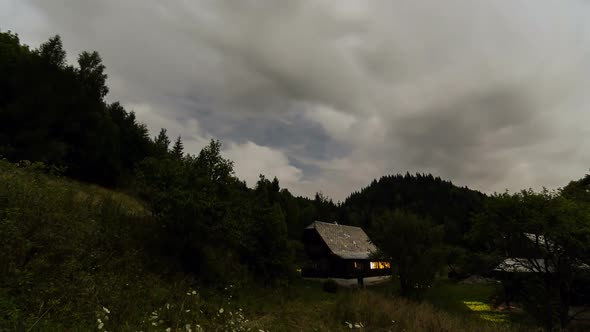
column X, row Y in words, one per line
column 380, row 265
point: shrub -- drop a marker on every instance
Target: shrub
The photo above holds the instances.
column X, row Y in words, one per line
column 330, row 286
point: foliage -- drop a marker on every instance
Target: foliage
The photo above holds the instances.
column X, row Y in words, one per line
column 550, row 234
column 414, row 245
column 423, row 195
column 54, row 113
column 210, row 220
column 66, row 250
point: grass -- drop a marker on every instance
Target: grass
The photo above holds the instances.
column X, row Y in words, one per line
column 473, row 299
column 305, row 307
column 460, row 298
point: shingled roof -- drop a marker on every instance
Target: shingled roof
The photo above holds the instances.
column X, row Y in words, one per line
column 348, row 242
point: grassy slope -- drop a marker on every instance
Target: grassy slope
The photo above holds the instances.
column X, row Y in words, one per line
column 305, row 307
column 69, row 249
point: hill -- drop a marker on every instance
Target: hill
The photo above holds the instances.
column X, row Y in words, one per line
column 422, row 194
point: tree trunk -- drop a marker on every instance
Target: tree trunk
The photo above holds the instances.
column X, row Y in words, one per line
column 564, row 303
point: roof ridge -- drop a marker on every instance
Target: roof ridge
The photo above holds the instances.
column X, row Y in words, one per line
column 333, row 224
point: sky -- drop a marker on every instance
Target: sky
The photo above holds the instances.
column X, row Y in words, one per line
column 328, row 95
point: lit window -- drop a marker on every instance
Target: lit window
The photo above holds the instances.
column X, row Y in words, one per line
column 380, row 265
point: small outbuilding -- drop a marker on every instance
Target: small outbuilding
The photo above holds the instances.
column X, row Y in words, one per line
column 341, row 251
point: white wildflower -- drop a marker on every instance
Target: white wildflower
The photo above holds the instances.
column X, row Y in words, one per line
column 187, row 310
column 99, row 320
column 349, row 324
column 221, row 310
column 155, row 324
column 357, row 325
column 100, row 326
column 168, row 329
column 194, row 292
column 168, row 306
column 106, row 310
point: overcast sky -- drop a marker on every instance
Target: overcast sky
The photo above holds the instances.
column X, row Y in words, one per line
column 327, row 95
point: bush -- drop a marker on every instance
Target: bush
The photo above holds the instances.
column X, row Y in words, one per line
column 330, row 286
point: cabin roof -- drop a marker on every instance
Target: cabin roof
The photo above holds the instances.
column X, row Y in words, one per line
column 348, row 242
column 523, row 265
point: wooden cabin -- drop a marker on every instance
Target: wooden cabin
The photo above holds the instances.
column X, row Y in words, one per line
column 340, row 251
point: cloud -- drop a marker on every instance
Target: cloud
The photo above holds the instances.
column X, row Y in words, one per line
column 252, row 160
column 487, row 94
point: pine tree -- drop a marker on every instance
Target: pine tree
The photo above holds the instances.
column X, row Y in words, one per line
column 53, row 52
column 162, row 143
column 178, row 149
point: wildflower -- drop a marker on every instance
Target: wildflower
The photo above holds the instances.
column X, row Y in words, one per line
column 106, row 310
column 357, row 325
column 155, row 324
column 349, row 325
column 168, row 329
column 221, row 310
column 168, row 306
column 188, row 293
column 187, row 310
column 194, row 292
column 100, row 326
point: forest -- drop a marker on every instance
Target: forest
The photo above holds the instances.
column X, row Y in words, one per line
column 97, row 216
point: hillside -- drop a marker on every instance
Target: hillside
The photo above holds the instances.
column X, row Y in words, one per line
column 422, row 194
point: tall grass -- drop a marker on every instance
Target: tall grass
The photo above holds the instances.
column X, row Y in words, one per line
column 68, row 250
column 377, row 312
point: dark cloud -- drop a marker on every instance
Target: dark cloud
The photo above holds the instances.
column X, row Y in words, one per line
column 330, row 94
